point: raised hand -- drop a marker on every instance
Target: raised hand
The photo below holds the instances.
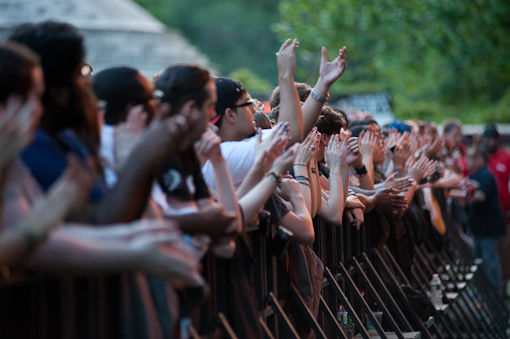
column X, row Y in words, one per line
column 430, row 168
column 350, row 148
column 333, row 153
column 128, row 133
column 289, row 188
column 284, row 162
column 332, row 71
column 432, row 149
column 267, row 150
column 368, row 143
column 398, row 184
column 353, row 201
column 401, row 154
column 417, row 171
column 17, row 121
column 308, row 148
column 164, row 256
column 388, row 198
column 355, row 217
column 163, row 138
column 208, row 147
column 72, row 189
column 286, row 58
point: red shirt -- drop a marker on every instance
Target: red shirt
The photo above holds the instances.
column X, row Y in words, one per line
column 499, row 164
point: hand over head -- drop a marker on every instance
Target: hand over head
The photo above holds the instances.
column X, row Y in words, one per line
column 286, row 58
column 332, row 71
column 17, row 124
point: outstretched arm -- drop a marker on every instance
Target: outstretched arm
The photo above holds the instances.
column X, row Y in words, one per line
column 290, row 105
column 329, row 73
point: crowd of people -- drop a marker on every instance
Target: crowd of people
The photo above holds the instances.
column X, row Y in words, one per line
column 113, row 172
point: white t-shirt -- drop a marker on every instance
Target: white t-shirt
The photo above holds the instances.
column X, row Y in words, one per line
column 239, row 156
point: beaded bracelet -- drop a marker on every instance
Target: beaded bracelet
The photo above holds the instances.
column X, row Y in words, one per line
column 301, row 177
column 305, row 183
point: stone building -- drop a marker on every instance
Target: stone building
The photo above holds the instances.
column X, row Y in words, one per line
column 117, row 32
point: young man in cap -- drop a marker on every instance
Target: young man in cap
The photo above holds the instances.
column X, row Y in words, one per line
column 235, row 110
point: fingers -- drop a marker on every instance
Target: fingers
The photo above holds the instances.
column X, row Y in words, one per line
column 391, row 176
column 324, row 55
column 284, row 45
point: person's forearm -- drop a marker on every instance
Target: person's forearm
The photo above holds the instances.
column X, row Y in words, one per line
column 299, row 222
column 369, row 165
column 226, row 192
column 409, row 196
column 344, row 174
column 370, row 202
column 252, row 202
column 333, row 206
column 316, row 186
column 362, row 191
column 313, row 108
column 254, row 175
column 290, row 109
column 366, row 182
column 65, row 254
column 306, row 184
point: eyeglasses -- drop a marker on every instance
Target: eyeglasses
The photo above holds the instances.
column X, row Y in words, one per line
column 86, row 69
column 250, row 104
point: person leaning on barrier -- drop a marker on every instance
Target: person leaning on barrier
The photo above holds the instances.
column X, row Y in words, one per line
column 29, row 218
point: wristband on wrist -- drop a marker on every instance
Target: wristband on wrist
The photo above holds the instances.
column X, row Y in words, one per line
column 305, row 183
column 274, row 175
column 361, row 171
column 316, row 96
column 299, row 165
column 301, row 177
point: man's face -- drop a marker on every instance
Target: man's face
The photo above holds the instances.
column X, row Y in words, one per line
column 491, row 143
column 207, row 111
column 245, row 122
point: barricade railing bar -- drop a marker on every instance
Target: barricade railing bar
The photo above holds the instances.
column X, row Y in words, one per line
column 358, row 273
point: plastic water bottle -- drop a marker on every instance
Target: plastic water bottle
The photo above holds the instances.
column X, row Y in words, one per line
column 435, row 292
column 345, row 322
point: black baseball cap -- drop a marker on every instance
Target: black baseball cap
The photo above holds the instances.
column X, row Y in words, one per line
column 228, row 92
column 491, row 131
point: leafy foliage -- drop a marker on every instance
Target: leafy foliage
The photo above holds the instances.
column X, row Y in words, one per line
column 235, row 34
column 436, row 57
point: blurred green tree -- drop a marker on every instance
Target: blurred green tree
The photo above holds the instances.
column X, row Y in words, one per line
column 436, row 57
column 235, row 34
